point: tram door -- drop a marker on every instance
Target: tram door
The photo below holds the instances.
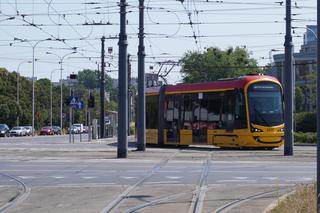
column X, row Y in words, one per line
column 200, row 118
column 172, row 119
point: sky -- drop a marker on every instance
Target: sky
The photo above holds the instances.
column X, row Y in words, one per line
column 172, row 28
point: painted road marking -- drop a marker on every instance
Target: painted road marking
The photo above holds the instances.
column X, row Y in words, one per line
column 228, row 181
column 26, row 177
column 88, row 177
column 127, row 177
column 270, row 178
column 163, row 182
column 174, row 177
column 240, row 178
column 57, row 177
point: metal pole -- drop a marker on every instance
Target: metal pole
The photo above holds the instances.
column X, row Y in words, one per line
column 61, row 105
column 123, row 85
column 289, row 85
column 51, row 99
column 102, row 91
column 18, row 97
column 33, row 129
column 70, row 116
column 129, row 94
column 141, row 139
column 318, row 106
column 89, row 120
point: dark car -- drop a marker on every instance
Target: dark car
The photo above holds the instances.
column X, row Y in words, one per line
column 47, row 130
column 56, row 130
column 4, row 130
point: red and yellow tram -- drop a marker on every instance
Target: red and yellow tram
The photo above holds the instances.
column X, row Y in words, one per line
column 245, row 112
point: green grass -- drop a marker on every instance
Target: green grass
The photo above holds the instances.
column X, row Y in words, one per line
column 302, row 201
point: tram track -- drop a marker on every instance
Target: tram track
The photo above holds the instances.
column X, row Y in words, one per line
column 238, row 202
column 20, row 197
column 125, row 194
column 198, row 194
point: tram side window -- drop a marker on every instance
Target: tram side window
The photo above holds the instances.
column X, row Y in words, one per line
column 152, row 103
column 186, row 112
column 240, row 112
column 214, row 110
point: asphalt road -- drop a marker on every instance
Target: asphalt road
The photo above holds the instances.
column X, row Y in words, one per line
column 87, row 177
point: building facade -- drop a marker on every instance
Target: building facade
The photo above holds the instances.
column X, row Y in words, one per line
column 304, row 64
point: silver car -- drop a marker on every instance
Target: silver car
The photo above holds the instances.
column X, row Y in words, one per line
column 28, row 129
column 18, row 131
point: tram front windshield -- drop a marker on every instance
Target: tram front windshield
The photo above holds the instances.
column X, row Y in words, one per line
column 265, row 104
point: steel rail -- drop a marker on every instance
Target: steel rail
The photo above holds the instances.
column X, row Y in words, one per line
column 126, row 193
column 22, row 195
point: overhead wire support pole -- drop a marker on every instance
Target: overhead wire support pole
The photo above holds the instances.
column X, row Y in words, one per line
column 318, row 106
column 289, row 85
column 123, row 85
column 141, row 139
column 102, row 91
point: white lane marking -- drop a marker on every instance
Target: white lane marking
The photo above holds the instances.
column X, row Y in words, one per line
column 88, row 177
column 173, row 177
column 227, row 181
column 127, row 177
column 163, row 182
column 270, row 178
column 307, row 179
column 139, row 171
column 26, row 177
column 168, row 171
column 57, row 177
column 240, row 178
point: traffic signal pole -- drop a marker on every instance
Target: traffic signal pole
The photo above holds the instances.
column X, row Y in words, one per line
column 318, row 106
column 141, row 139
column 102, row 91
column 289, row 85
column 122, row 151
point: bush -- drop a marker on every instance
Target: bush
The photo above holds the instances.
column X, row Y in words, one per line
column 306, row 122
column 308, row 137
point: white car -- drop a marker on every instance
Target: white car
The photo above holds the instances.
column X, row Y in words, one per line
column 79, row 127
column 18, row 131
column 29, row 130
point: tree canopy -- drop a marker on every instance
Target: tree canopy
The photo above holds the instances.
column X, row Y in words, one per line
column 214, row 64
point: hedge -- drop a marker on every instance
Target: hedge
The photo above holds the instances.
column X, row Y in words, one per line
column 306, row 122
column 305, row 137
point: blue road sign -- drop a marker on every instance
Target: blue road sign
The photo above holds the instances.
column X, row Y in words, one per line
column 80, row 105
column 73, row 100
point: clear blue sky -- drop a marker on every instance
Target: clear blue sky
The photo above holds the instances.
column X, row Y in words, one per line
column 257, row 25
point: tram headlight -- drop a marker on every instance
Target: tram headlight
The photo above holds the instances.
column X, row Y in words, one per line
column 255, row 129
column 281, row 130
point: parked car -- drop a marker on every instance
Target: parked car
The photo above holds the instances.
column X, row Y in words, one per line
column 56, row 130
column 79, row 127
column 74, row 130
column 85, row 129
column 4, row 130
column 18, row 131
column 46, row 130
column 29, row 130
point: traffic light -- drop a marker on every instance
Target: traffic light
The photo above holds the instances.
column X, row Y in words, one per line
column 91, row 101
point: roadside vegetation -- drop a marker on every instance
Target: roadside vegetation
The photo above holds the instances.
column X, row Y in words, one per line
column 302, row 201
column 11, row 110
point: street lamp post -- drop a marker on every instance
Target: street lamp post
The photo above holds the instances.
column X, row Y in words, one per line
column 51, row 95
column 33, row 46
column 61, row 93
column 18, row 86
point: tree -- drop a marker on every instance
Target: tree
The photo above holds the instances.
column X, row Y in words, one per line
column 215, row 64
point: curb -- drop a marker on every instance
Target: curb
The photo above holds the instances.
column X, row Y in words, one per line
column 276, row 202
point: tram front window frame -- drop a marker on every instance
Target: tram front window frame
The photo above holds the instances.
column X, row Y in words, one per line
column 265, row 104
